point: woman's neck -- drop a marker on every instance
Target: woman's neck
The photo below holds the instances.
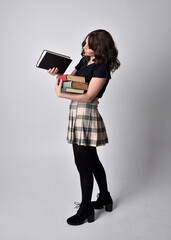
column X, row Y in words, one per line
column 91, row 60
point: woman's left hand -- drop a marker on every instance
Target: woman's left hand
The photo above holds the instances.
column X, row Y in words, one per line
column 58, row 87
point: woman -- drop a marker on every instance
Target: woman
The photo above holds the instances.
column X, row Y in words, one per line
column 86, row 129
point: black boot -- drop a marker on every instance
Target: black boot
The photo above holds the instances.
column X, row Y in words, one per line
column 83, row 213
column 104, row 200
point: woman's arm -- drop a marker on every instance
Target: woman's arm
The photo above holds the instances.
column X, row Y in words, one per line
column 54, row 71
column 94, row 88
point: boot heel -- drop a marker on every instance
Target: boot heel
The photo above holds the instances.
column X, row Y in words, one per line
column 109, row 207
column 90, row 218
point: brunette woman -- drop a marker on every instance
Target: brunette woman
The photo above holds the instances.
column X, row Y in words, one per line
column 86, row 128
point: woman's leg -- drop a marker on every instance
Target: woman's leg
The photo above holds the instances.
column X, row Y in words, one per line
column 88, row 163
column 83, row 159
column 99, row 172
column 83, row 163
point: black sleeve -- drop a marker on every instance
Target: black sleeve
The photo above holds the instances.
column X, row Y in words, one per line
column 101, row 71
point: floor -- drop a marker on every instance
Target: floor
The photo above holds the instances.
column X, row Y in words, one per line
column 34, row 205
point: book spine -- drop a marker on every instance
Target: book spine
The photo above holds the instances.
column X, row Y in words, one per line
column 72, row 90
column 67, row 77
column 75, row 78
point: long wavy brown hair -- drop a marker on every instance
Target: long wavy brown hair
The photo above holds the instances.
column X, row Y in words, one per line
column 105, row 51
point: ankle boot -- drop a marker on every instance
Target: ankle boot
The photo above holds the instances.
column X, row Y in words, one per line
column 103, row 200
column 83, row 213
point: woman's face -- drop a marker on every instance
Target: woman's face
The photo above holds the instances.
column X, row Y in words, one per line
column 87, row 50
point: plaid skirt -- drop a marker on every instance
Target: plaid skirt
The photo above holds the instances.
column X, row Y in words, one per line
column 86, row 126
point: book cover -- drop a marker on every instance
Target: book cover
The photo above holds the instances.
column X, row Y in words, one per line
column 50, row 59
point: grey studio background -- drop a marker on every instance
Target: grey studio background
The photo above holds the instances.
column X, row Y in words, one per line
column 38, row 179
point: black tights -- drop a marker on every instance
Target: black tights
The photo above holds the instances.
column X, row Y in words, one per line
column 89, row 165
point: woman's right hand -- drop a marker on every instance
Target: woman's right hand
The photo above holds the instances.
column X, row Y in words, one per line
column 53, row 71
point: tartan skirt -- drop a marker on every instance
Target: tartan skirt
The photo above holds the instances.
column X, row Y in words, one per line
column 86, row 126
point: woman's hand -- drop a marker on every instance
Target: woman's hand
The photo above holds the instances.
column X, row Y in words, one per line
column 58, row 87
column 53, row 71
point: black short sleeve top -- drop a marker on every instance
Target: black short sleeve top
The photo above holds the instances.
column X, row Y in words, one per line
column 93, row 70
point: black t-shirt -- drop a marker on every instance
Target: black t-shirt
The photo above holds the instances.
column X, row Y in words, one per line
column 93, row 70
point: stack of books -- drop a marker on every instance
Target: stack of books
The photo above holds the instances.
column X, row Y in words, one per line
column 73, row 84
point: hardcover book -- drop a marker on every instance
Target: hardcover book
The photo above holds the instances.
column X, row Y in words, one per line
column 77, row 85
column 66, row 78
column 72, row 90
column 50, row 59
